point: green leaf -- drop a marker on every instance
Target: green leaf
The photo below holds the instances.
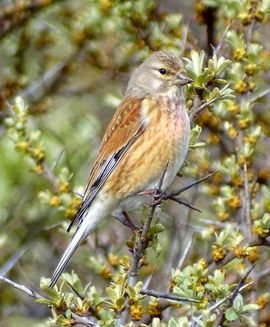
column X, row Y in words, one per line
column 238, row 303
column 231, row 315
column 250, row 307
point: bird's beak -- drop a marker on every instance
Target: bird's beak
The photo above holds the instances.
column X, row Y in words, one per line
column 182, row 79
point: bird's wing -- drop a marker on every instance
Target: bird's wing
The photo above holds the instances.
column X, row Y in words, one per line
column 126, row 126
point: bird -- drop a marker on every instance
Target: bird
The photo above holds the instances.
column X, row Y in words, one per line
column 148, row 137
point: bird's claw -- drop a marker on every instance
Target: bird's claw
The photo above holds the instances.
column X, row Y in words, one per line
column 155, row 194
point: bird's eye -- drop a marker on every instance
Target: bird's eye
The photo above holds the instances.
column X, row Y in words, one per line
column 162, row 71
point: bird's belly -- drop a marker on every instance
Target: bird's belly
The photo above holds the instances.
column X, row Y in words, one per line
column 175, row 161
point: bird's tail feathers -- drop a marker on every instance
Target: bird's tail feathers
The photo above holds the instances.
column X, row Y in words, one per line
column 83, row 230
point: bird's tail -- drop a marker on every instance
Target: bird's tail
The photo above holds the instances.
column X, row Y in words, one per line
column 83, row 230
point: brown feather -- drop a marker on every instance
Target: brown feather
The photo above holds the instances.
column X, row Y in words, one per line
column 124, row 125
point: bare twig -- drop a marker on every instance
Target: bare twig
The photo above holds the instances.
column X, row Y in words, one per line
column 22, row 288
column 185, row 203
column 235, row 292
column 183, row 41
column 246, row 213
column 185, row 253
column 86, row 321
column 222, row 40
column 167, row 296
column 195, row 111
column 142, row 243
column 259, row 95
column 218, row 304
column 185, row 188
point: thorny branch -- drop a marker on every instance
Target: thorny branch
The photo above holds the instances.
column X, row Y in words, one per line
column 235, row 292
column 167, row 296
column 159, row 196
column 142, row 242
column 35, row 295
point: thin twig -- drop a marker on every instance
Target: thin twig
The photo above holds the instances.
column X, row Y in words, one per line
column 218, row 304
column 222, row 40
column 247, row 212
column 195, row 111
column 257, row 241
column 185, row 188
column 259, row 95
column 22, row 288
column 142, row 244
column 185, row 253
column 183, row 41
column 234, row 294
column 167, row 296
column 185, row 203
column 86, row 321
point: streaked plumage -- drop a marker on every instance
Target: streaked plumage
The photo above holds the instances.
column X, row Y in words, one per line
column 149, row 132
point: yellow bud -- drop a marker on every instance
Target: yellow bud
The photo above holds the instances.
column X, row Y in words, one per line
column 259, row 16
column 263, row 300
column 218, row 254
column 38, row 154
column 105, row 273
column 233, row 108
column 113, row 259
column 70, row 213
column 213, row 138
column 251, row 85
column 76, row 202
column 240, row 252
column 199, row 288
column 136, row 312
column 233, row 132
column 239, row 54
column 203, row 304
column 55, row 201
column 245, row 18
column 237, row 181
column 22, row 146
column 155, row 308
column 243, row 123
column 64, row 187
column 234, row 202
column 251, row 69
column 253, row 254
column 203, row 263
column 223, row 216
column 39, row 169
column 241, row 87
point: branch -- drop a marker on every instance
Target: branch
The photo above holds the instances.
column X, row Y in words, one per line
column 35, row 295
column 257, row 241
column 185, row 188
column 235, row 292
column 247, row 212
column 142, row 243
column 22, row 288
column 222, row 40
column 196, row 110
column 167, row 296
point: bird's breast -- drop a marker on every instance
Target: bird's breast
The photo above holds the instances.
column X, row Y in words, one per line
column 164, row 142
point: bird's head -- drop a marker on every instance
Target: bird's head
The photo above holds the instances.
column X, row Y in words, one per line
column 158, row 73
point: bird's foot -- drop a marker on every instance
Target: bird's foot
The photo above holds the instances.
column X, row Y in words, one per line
column 155, row 194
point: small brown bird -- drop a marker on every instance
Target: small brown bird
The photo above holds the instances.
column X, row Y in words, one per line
column 149, row 134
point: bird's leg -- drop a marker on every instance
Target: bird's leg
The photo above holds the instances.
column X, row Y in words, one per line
column 124, row 218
